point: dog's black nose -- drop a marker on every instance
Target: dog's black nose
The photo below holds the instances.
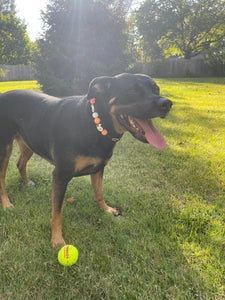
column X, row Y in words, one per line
column 165, row 104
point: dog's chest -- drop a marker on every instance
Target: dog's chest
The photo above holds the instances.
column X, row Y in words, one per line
column 85, row 165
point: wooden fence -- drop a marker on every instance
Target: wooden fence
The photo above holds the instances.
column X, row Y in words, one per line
column 180, row 67
column 167, row 68
column 17, row 72
column 186, row 67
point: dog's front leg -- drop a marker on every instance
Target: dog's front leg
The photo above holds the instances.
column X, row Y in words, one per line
column 58, row 191
column 96, row 180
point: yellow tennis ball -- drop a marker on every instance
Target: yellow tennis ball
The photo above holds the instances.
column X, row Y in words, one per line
column 68, row 255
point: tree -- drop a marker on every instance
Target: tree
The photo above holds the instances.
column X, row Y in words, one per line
column 82, row 39
column 215, row 57
column 7, row 6
column 15, row 46
column 184, row 27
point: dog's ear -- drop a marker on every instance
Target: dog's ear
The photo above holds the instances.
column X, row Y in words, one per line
column 100, row 86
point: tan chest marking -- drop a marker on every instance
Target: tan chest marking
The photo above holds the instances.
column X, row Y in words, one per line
column 82, row 162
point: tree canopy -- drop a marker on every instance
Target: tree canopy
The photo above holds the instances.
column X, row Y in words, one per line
column 15, row 45
column 7, row 6
column 184, row 27
column 82, row 39
column 87, row 38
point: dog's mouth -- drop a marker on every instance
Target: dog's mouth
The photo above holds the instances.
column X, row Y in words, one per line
column 143, row 130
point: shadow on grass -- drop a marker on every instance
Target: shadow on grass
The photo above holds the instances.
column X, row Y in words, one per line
column 136, row 256
column 165, row 246
column 138, row 251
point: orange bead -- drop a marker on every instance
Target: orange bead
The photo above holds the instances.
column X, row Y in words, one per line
column 92, row 101
column 97, row 120
column 104, row 132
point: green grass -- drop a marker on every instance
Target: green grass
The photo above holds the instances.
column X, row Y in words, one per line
column 14, row 85
column 170, row 241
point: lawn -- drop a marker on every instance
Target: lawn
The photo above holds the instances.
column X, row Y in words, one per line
column 14, row 85
column 170, row 241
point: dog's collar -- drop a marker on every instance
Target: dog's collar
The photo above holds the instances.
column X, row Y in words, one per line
column 98, row 124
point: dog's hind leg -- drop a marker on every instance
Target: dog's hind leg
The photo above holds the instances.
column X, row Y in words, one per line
column 25, row 155
column 5, row 152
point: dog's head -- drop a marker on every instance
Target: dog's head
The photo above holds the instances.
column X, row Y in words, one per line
column 132, row 102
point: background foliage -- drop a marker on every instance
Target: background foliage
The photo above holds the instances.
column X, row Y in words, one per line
column 82, row 39
column 15, row 45
column 85, row 39
column 183, row 27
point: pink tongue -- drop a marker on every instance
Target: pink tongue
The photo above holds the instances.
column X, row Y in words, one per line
column 152, row 135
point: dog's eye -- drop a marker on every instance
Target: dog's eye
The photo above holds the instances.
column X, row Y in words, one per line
column 156, row 89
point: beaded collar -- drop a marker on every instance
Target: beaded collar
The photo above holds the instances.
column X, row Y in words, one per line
column 97, row 122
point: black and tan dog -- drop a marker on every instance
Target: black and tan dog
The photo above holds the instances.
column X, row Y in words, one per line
column 78, row 134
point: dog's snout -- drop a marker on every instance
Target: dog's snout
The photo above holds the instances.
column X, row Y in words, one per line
column 166, row 104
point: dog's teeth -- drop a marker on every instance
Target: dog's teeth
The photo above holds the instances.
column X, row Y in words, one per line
column 133, row 124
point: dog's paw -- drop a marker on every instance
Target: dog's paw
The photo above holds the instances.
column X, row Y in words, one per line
column 8, row 205
column 113, row 211
column 30, row 182
column 58, row 242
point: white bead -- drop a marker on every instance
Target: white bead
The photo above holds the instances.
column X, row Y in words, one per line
column 99, row 127
column 95, row 115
